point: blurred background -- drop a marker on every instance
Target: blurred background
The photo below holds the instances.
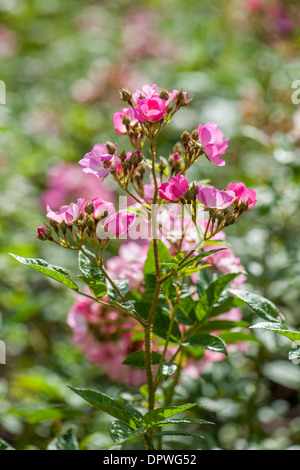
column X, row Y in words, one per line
column 63, row 63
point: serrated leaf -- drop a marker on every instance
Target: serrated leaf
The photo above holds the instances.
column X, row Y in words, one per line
column 262, row 306
column 122, row 285
column 109, row 405
column 120, row 432
column 172, row 421
column 137, row 359
column 178, row 433
column 220, row 325
column 161, row 414
column 89, row 270
column 55, row 272
column 277, row 328
column 206, row 341
column 66, row 441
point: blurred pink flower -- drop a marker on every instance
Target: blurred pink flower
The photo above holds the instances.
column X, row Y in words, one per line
column 98, row 161
column 119, row 223
column 211, row 139
column 104, row 336
column 65, row 181
column 173, row 189
column 129, row 264
column 211, row 197
column 243, row 194
column 67, row 214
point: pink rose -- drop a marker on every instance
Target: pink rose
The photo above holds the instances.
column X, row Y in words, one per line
column 100, row 207
column 98, row 161
column 210, row 197
column 243, row 194
column 120, row 128
column 150, row 109
column 67, row 214
column 173, row 189
column 119, row 223
column 212, row 142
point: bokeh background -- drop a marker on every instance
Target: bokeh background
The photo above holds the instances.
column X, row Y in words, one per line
column 63, row 63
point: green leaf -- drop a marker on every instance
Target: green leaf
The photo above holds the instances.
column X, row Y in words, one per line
column 224, row 304
column 137, row 359
column 236, row 336
column 5, row 445
column 196, row 259
column 277, row 328
column 122, row 285
column 161, row 326
column 178, row 433
column 55, row 272
column 211, row 295
column 168, row 369
column 163, row 254
column 294, row 354
column 66, row 441
column 170, row 422
column 220, row 325
column 161, row 414
column 206, row 341
column 262, row 306
column 120, row 432
column 92, row 276
column 109, row 405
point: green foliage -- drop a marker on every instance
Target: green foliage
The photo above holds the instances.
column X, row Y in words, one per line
column 66, row 441
column 55, row 272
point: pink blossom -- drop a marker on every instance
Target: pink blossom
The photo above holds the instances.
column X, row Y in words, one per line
column 174, row 189
column 148, row 190
column 150, row 109
column 129, row 264
column 118, row 117
column 101, row 207
column 243, row 194
column 211, row 139
column 119, row 223
column 67, row 214
column 147, row 92
column 211, row 197
column 65, row 182
column 99, row 161
column 104, row 336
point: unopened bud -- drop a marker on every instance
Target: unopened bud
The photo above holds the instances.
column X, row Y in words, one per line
column 110, row 147
column 185, row 137
column 126, row 120
column 169, row 108
column 230, row 219
column 195, row 134
column 125, row 95
column 89, row 208
column 43, row 233
column 164, row 95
